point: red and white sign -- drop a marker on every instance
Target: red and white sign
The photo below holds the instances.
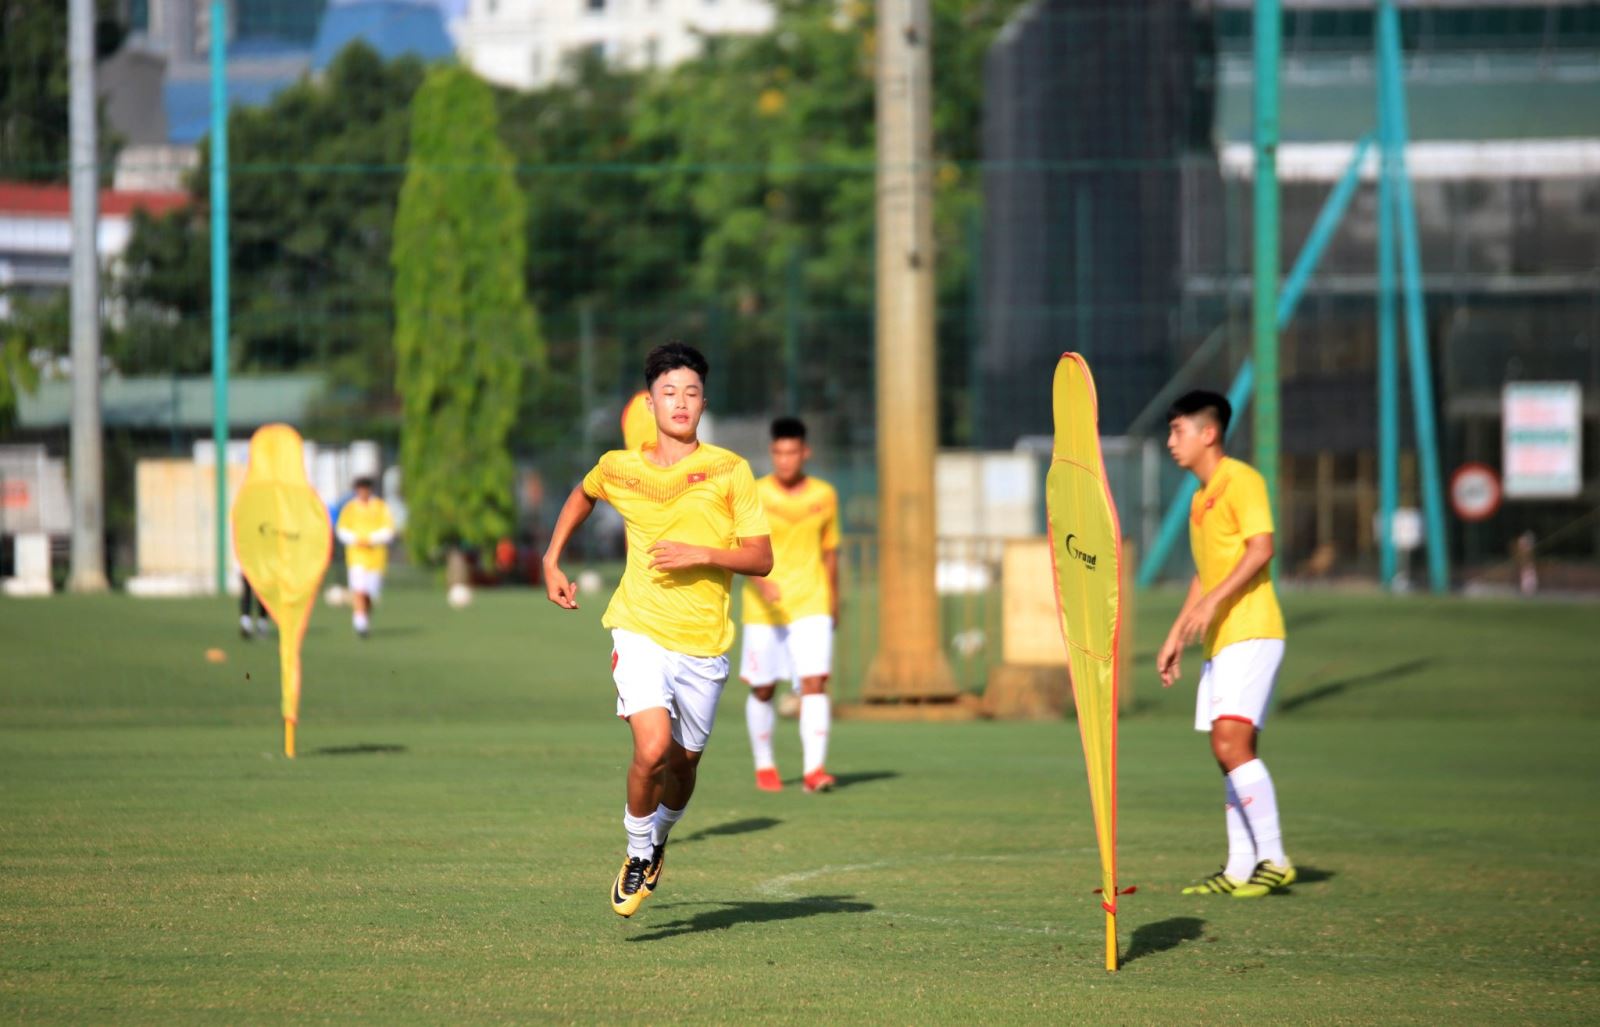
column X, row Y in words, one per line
column 1475, row 492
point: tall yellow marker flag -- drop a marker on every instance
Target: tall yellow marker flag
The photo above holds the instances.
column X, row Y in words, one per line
column 638, row 422
column 284, row 540
column 1086, row 551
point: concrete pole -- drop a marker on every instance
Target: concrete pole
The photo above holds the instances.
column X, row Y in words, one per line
column 1265, row 262
column 910, row 663
column 88, row 462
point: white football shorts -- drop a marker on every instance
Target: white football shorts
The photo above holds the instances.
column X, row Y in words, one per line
column 365, row 580
column 777, row 652
column 649, row 675
column 1237, row 682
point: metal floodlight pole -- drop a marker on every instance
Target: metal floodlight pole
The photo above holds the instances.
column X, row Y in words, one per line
column 1415, row 310
column 1388, row 360
column 87, row 452
column 219, row 276
column 910, row 662
column 1268, row 30
column 1294, row 286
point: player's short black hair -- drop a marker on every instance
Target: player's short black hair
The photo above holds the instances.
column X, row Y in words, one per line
column 1205, row 403
column 669, row 356
column 364, row 482
column 788, row 428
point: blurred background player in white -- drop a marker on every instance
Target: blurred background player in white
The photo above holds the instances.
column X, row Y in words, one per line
column 1231, row 606
column 366, row 529
column 789, row 615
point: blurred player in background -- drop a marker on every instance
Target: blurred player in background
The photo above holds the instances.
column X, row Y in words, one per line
column 1231, row 605
column 693, row 521
column 366, row 529
column 789, row 615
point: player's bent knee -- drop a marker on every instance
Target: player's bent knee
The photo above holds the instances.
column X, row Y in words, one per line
column 763, row 693
column 814, row 686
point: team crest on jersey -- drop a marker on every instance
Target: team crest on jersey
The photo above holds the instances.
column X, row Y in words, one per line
column 696, row 477
column 631, row 482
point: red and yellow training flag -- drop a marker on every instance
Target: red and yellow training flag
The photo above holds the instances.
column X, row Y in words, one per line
column 638, row 421
column 1086, row 551
column 284, row 540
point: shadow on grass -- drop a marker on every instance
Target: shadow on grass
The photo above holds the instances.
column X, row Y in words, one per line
column 1343, row 685
column 364, row 749
column 1162, row 936
column 748, row 826
column 1311, row 875
column 863, row 777
column 730, row 913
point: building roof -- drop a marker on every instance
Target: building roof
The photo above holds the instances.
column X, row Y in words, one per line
column 161, row 403
column 25, row 199
column 393, row 28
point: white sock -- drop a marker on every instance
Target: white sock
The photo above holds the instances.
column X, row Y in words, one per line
column 816, row 717
column 760, row 718
column 361, row 621
column 1259, row 803
column 1241, row 844
column 641, row 834
column 664, row 820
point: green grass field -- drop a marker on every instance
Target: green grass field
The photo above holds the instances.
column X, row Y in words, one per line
column 441, row 851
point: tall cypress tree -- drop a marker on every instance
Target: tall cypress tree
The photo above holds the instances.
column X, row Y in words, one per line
column 465, row 333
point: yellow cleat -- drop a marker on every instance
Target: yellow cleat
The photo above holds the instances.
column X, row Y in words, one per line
column 629, row 889
column 1266, row 879
column 1218, row 883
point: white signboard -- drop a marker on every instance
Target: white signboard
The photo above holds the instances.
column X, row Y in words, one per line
column 1543, row 439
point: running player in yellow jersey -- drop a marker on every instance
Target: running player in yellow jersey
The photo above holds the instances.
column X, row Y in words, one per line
column 790, row 614
column 693, row 521
column 1232, row 607
column 366, row 529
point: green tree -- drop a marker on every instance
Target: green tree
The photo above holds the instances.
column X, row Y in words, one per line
column 315, row 177
column 34, row 91
column 17, row 373
column 465, row 334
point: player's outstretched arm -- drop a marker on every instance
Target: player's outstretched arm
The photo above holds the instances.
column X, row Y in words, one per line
column 574, row 511
column 752, row 556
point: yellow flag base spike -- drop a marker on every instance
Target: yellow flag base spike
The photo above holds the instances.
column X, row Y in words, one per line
column 1111, row 942
column 288, row 738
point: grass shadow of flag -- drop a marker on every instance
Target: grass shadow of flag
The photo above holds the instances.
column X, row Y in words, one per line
column 1162, row 936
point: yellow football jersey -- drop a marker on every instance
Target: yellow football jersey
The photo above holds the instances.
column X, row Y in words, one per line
column 1231, row 508
column 363, row 520
column 805, row 524
column 706, row 499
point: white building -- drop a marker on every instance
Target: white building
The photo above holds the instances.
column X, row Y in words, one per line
column 527, row 43
column 36, row 233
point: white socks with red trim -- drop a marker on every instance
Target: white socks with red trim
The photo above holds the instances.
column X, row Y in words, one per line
column 1241, row 846
column 816, row 720
column 760, row 718
column 1259, row 804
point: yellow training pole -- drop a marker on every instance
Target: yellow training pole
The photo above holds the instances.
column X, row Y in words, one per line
column 1111, row 942
column 288, row 738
